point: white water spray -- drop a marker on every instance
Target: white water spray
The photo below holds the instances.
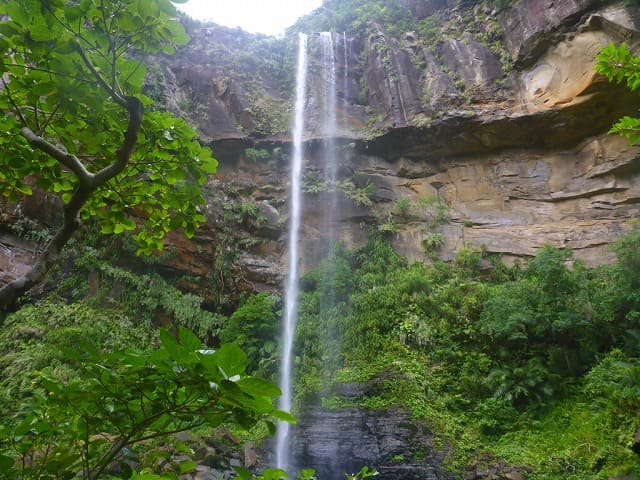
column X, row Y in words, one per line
column 291, row 288
column 345, row 75
column 329, row 124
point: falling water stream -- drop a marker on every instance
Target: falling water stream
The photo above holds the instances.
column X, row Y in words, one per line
column 328, row 118
column 325, row 92
column 291, row 289
column 345, row 74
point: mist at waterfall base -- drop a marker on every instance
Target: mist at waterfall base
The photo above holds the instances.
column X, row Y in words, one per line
column 316, row 94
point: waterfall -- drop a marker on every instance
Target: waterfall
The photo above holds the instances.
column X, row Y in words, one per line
column 328, row 119
column 345, row 74
column 291, row 288
column 322, row 90
column 329, row 216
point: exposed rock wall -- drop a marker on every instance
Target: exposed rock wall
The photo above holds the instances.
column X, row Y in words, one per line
column 341, row 441
column 519, row 174
column 485, row 158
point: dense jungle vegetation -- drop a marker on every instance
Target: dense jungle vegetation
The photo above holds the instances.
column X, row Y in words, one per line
column 536, row 363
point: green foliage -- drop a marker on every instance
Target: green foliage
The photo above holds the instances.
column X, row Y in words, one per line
column 588, row 434
column 254, row 327
column 543, row 318
column 68, row 71
column 489, row 361
column 95, row 277
column 501, row 3
column 271, row 115
column 304, row 474
column 267, row 474
column 386, row 224
column 618, row 64
column 256, row 154
column 237, row 218
column 429, row 27
column 361, row 196
column 615, row 382
column 148, row 294
column 431, row 243
column 365, row 472
column 120, row 401
column 325, row 316
column 403, row 206
column 357, row 15
column 617, row 293
column 30, row 229
column 34, row 338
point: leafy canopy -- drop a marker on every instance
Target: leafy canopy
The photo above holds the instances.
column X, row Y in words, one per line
column 70, row 71
column 79, row 427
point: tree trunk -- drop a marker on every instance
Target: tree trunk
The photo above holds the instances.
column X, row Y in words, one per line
column 88, row 183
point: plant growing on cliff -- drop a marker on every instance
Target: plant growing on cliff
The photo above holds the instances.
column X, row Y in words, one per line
column 620, row 65
column 74, row 124
column 531, row 365
column 254, row 327
column 312, row 183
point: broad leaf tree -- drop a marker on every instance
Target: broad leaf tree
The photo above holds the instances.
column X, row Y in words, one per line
column 76, row 124
column 120, row 405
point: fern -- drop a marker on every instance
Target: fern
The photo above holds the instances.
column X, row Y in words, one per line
column 150, row 293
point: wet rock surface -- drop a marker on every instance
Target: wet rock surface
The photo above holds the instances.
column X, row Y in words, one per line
column 340, row 441
column 343, row 441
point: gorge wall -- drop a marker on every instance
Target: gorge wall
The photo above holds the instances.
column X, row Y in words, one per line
column 489, row 131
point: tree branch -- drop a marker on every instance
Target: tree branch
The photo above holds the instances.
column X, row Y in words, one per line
column 191, row 426
column 135, row 109
column 5, row 86
column 67, row 159
column 119, row 99
column 46, row 70
column 89, row 183
column 108, row 457
column 12, row 291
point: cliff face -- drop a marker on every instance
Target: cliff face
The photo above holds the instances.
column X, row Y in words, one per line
column 483, row 127
column 488, row 130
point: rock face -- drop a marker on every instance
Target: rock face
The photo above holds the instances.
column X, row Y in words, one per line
column 501, row 161
column 341, row 441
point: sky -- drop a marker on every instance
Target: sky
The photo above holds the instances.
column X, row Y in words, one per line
column 270, row 17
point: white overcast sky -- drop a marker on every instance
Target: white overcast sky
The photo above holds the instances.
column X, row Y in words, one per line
column 271, row 17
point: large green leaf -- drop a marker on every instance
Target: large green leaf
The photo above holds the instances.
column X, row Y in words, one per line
column 175, row 350
column 284, row 416
column 6, row 463
column 231, row 360
column 189, row 340
column 258, row 386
